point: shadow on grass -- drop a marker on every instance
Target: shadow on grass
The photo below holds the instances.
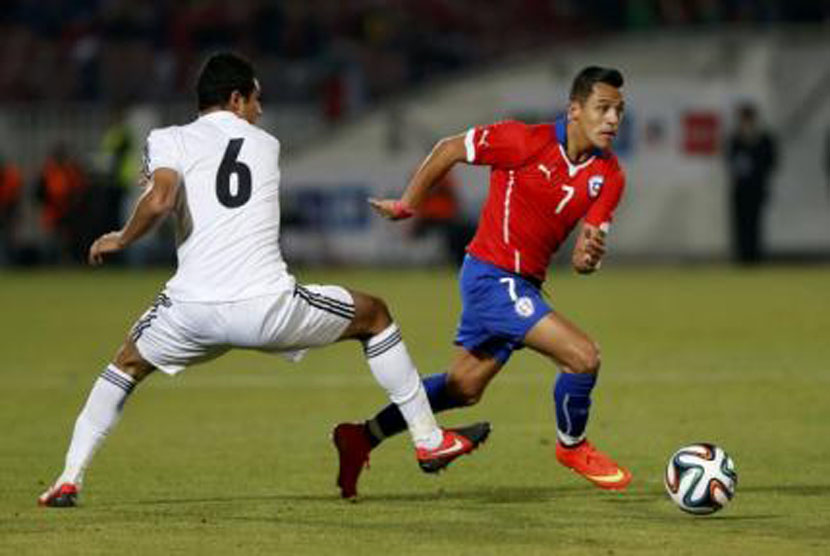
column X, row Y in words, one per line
column 494, row 495
column 788, row 490
column 491, row 495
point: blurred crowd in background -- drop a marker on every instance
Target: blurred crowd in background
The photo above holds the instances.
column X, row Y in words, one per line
column 343, row 56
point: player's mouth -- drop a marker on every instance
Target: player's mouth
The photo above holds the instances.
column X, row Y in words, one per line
column 609, row 134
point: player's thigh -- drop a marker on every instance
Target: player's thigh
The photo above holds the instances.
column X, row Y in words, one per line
column 563, row 341
column 314, row 315
column 371, row 316
column 470, row 373
column 172, row 335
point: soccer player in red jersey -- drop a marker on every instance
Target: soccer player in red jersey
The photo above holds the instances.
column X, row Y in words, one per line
column 544, row 180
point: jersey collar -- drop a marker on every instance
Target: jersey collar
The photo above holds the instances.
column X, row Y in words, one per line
column 219, row 115
column 561, row 128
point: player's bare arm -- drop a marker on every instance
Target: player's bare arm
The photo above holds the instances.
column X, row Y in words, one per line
column 158, row 199
column 589, row 249
column 446, row 153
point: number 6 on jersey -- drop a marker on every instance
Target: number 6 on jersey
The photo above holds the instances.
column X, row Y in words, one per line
column 230, row 165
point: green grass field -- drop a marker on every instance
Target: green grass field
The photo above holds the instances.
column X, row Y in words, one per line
column 233, row 457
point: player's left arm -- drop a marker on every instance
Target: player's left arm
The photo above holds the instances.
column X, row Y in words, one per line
column 589, row 249
column 590, row 244
column 446, row 153
column 157, row 200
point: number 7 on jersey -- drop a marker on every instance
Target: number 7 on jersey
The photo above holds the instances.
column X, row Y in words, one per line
column 569, row 193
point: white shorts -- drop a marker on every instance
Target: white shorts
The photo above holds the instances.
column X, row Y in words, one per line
column 172, row 335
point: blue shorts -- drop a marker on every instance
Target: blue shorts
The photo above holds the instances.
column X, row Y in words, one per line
column 498, row 309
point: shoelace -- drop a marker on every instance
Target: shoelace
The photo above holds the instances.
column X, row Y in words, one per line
column 592, row 455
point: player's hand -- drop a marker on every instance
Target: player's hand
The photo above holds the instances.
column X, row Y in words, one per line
column 589, row 251
column 107, row 243
column 391, row 209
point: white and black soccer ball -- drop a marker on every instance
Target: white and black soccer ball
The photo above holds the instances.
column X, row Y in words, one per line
column 701, row 478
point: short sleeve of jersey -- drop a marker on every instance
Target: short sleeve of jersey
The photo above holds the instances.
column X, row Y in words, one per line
column 601, row 212
column 506, row 144
column 162, row 151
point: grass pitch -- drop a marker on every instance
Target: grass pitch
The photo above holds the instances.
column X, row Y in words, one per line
column 233, row 457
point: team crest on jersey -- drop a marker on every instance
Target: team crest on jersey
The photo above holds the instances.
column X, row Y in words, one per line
column 524, row 307
column 595, row 185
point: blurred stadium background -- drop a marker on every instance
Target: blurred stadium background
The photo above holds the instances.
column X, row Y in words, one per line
column 358, row 92
column 235, row 458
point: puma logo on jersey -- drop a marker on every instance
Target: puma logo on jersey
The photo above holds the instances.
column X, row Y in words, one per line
column 482, row 141
column 544, row 169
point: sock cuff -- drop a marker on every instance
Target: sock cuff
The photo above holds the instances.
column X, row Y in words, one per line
column 568, row 440
column 578, row 383
column 383, row 341
column 375, row 432
column 118, row 378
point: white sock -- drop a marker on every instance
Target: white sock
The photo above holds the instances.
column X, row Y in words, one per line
column 393, row 369
column 99, row 415
column 568, row 440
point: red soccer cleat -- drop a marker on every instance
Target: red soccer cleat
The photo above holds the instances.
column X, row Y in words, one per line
column 353, row 449
column 457, row 442
column 595, row 466
column 64, row 495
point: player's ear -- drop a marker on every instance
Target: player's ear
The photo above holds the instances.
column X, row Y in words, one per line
column 235, row 102
column 574, row 109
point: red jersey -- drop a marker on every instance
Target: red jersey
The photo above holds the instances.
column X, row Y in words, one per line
column 537, row 196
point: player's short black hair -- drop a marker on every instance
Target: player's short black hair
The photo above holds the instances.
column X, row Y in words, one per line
column 586, row 79
column 222, row 74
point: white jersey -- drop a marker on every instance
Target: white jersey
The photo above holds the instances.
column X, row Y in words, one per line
column 227, row 210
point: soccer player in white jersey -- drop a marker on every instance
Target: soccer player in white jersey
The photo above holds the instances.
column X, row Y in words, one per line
column 220, row 176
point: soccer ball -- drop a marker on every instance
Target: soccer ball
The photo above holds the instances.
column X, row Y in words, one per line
column 701, row 478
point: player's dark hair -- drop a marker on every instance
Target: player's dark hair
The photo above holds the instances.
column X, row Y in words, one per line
column 220, row 76
column 586, row 79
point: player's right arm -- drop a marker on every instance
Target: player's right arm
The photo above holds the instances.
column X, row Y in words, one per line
column 505, row 144
column 157, row 200
column 446, row 153
column 162, row 156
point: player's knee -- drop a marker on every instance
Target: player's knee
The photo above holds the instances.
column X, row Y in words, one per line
column 129, row 361
column 379, row 317
column 586, row 359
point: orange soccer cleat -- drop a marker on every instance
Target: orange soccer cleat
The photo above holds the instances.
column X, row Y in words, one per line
column 595, row 466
